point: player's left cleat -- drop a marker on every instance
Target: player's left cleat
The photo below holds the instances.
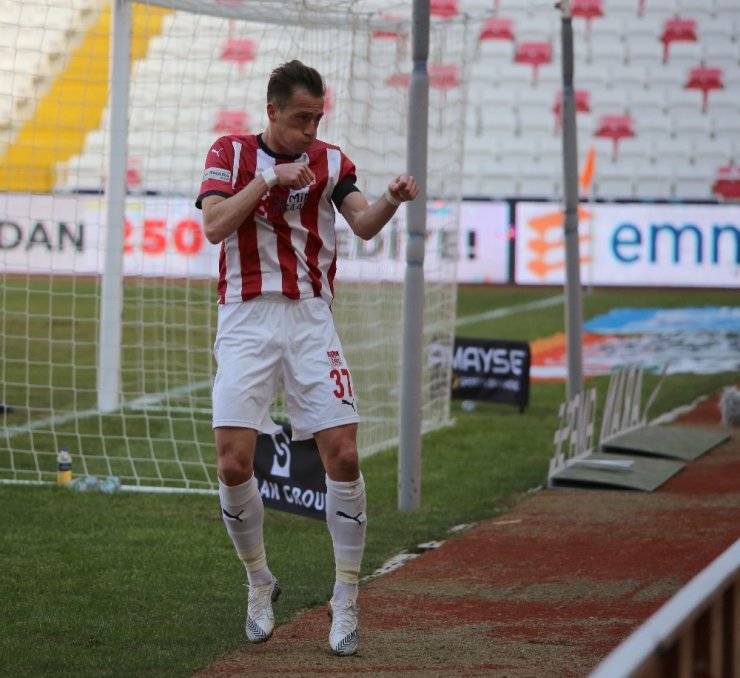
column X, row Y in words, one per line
column 260, row 619
column 344, row 638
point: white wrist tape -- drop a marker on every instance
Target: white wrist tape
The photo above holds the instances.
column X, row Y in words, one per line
column 270, row 177
column 393, row 201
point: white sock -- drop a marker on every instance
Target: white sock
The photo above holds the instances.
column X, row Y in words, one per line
column 347, row 522
column 244, row 514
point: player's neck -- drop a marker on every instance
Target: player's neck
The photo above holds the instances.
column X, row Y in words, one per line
column 273, row 147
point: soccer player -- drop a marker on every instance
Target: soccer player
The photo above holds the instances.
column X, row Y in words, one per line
column 269, row 200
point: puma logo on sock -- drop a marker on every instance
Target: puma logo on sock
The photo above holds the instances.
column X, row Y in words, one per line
column 236, row 517
column 356, row 518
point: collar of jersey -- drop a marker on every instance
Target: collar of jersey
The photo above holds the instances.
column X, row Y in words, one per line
column 277, row 156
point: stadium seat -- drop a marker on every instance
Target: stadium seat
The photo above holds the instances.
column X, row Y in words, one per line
column 651, row 9
column 653, row 182
column 697, row 128
column 724, row 7
column 614, row 127
column 534, row 121
column 720, row 52
column 674, row 152
column 715, row 30
column 677, row 30
column 588, row 10
column 641, row 52
column 536, row 28
column 724, row 102
column 495, row 28
column 534, row 54
column 539, row 180
column 443, row 8
column 636, row 28
column 501, row 181
column 498, row 120
column 684, row 102
column 636, row 151
column 727, row 182
column 691, row 181
column 444, row 76
column 582, row 100
column 695, row 8
column 704, row 79
column 664, row 77
column 649, row 102
column 231, row 121
column 614, row 180
column 516, row 148
column 627, row 77
column 620, row 9
column 609, row 102
column 607, row 51
column 686, row 55
column 239, row 50
column 712, row 153
column 593, row 77
column 726, row 126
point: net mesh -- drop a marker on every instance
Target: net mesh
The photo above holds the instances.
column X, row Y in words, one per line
column 198, row 70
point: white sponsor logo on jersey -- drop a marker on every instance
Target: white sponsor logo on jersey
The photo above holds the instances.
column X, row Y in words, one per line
column 217, row 173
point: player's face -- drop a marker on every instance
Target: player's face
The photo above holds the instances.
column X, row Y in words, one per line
column 293, row 128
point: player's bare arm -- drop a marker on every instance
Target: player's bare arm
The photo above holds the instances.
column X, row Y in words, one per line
column 367, row 220
column 222, row 216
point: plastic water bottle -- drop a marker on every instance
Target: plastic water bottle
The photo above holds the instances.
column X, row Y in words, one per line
column 64, row 467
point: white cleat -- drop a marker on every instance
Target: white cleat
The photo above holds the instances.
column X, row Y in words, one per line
column 344, row 638
column 260, row 619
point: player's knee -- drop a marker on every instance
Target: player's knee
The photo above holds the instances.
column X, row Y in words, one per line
column 344, row 464
column 234, row 468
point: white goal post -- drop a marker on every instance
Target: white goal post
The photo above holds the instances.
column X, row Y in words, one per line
column 108, row 289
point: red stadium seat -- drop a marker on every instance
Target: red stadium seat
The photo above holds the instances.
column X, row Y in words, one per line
column 231, row 122
column 443, row 8
column 497, row 29
column 588, row 10
column 444, row 76
column 677, row 30
column 582, row 101
column 389, row 33
column 705, row 79
column 441, row 76
column 615, row 127
column 240, row 50
column 535, row 54
column 727, row 182
column 133, row 173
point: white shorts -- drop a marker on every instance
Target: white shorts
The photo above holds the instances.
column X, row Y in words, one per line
column 272, row 340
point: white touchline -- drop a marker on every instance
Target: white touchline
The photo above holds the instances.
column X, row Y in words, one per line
column 139, row 403
column 510, row 310
column 150, row 401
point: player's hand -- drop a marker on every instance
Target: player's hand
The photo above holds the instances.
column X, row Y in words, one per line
column 294, row 175
column 403, row 188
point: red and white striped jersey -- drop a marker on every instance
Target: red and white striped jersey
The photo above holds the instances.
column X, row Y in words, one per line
column 287, row 245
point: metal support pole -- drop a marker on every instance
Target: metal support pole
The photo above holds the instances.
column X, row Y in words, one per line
column 111, row 299
column 573, row 303
column 409, row 454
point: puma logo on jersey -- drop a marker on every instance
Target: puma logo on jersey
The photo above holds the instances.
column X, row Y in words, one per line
column 351, row 403
column 216, row 151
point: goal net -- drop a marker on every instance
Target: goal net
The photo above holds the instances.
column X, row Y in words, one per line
column 198, row 69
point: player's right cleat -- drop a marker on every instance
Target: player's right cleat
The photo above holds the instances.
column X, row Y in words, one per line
column 344, row 638
column 260, row 619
